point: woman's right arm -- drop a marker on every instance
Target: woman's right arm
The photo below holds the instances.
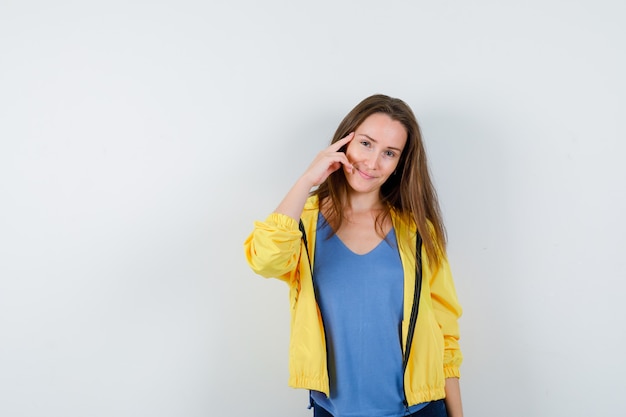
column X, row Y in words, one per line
column 273, row 247
column 326, row 162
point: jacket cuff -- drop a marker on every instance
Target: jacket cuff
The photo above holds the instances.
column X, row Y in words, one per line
column 282, row 221
column 451, row 372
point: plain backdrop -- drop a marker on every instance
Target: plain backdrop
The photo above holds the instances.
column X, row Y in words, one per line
column 139, row 140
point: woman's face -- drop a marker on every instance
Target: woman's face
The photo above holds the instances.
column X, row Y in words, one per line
column 374, row 152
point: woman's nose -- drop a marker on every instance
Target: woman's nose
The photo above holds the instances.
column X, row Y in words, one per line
column 371, row 160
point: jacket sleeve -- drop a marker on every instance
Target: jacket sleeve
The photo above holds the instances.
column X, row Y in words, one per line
column 447, row 312
column 273, row 248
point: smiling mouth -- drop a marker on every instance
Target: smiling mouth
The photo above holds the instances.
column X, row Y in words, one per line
column 364, row 175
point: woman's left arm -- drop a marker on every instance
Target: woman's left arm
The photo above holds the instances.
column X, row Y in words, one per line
column 447, row 312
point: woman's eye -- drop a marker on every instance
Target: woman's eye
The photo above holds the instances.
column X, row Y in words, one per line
column 365, row 143
column 390, row 154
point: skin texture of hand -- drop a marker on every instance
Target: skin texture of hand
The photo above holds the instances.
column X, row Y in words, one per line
column 324, row 164
column 328, row 161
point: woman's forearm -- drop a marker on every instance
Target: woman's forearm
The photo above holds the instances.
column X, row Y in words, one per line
column 453, row 398
column 294, row 201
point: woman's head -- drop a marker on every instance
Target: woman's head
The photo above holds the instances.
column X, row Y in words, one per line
column 412, row 162
column 409, row 190
column 374, row 153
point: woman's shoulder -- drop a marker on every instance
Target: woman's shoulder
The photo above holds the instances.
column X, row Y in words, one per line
column 403, row 220
column 312, row 203
column 406, row 220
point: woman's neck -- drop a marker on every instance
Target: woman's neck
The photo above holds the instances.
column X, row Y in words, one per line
column 363, row 203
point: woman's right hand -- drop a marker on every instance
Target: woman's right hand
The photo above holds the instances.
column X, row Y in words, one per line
column 328, row 161
column 324, row 164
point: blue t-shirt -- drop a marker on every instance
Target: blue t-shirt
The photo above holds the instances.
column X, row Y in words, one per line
column 361, row 301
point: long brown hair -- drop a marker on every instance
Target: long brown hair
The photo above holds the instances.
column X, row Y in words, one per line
column 410, row 192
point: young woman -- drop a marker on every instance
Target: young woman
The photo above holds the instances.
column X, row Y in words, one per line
column 374, row 311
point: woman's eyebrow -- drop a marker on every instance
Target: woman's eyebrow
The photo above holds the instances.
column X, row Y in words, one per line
column 375, row 141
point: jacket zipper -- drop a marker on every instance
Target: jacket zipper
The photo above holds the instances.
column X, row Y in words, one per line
column 306, row 245
column 414, row 309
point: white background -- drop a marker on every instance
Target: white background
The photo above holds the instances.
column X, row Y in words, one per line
column 140, row 140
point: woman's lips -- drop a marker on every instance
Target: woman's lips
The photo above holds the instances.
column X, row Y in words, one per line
column 364, row 175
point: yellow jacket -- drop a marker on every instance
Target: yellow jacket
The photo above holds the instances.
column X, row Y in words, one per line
column 275, row 248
